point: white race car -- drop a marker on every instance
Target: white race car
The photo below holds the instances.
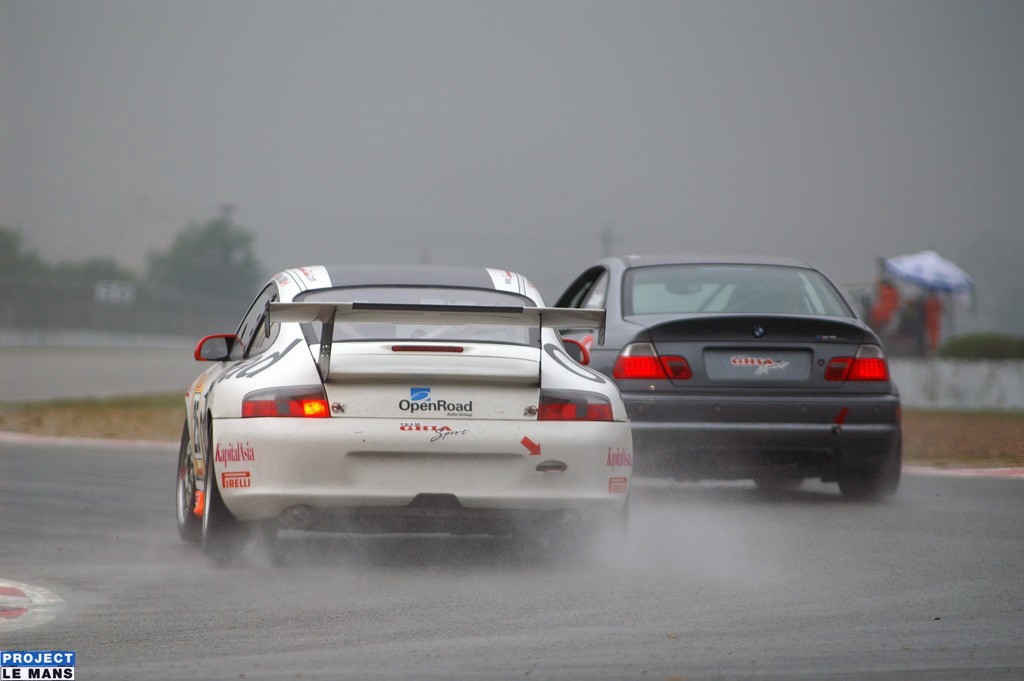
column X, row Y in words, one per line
column 400, row 399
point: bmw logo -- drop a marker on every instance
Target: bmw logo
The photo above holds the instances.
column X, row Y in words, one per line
column 757, row 331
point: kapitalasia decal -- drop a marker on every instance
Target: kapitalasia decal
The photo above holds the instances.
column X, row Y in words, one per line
column 233, row 453
column 619, row 456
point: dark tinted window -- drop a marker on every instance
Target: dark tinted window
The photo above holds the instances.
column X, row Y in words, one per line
column 684, row 289
column 587, row 291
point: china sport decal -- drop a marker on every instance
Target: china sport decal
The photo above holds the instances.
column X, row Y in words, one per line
column 438, row 431
column 761, row 365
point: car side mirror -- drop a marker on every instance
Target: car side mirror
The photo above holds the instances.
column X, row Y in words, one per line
column 576, row 350
column 215, row 348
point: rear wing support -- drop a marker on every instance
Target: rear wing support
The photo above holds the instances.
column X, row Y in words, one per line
column 330, row 313
column 323, row 363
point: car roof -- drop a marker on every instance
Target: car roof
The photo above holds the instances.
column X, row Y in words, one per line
column 712, row 258
column 409, row 275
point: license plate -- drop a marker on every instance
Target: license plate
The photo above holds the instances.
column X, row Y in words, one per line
column 758, row 365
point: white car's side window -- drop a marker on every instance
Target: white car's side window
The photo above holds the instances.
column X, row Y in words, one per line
column 252, row 338
column 261, row 340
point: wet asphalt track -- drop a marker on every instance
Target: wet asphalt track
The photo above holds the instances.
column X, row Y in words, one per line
column 714, row 583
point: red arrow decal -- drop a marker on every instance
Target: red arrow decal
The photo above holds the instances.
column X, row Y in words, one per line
column 531, row 445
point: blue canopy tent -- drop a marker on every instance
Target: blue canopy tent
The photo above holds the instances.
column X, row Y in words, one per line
column 930, row 271
column 935, row 275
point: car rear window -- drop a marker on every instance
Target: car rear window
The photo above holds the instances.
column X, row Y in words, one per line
column 769, row 289
column 422, row 295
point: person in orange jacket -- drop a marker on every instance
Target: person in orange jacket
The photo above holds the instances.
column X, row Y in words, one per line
column 933, row 319
column 886, row 304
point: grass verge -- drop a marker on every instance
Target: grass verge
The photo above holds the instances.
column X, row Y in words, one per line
column 142, row 417
column 937, row 438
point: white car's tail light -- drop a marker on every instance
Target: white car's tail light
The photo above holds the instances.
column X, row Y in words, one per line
column 868, row 365
column 641, row 361
column 303, row 401
column 573, row 405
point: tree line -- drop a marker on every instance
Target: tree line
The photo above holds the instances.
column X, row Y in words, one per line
column 200, row 282
column 215, row 258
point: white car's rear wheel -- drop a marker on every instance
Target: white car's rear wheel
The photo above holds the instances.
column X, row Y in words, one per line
column 189, row 524
column 222, row 533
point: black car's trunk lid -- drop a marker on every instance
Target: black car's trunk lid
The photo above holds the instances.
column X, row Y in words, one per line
column 758, row 351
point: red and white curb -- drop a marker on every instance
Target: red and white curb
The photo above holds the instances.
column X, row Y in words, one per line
column 24, row 605
column 966, row 472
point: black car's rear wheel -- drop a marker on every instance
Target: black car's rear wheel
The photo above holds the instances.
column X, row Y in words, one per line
column 190, row 525
column 872, row 483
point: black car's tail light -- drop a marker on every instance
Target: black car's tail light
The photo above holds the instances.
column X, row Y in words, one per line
column 302, row 401
column 868, row 365
column 573, row 405
column 641, row 361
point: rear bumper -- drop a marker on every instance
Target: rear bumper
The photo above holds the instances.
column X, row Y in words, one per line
column 435, row 514
column 357, row 474
column 695, row 438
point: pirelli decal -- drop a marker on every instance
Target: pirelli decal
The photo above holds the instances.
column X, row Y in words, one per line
column 618, row 485
column 235, row 479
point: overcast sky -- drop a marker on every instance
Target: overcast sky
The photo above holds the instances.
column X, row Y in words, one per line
column 512, row 133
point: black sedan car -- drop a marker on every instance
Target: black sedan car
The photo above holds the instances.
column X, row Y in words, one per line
column 744, row 368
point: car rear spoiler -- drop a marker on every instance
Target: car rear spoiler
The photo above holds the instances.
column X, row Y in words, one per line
column 330, row 313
